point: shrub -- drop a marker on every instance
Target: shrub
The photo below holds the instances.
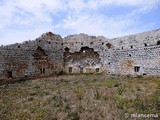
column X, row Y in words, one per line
column 97, row 94
column 139, row 76
column 73, row 116
column 138, row 104
column 33, row 94
column 121, row 89
column 117, row 84
column 58, row 101
column 79, row 93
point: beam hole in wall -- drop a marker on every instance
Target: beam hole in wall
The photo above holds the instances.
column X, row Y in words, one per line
column 91, row 43
column 81, row 43
column 49, row 42
column 129, row 55
column 108, row 45
column 18, row 46
column 158, row 42
column 122, row 48
column 66, row 49
column 136, row 68
column 131, row 47
column 26, row 76
column 145, row 44
column 102, row 43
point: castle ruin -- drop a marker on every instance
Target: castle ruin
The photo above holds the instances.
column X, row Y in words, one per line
column 51, row 54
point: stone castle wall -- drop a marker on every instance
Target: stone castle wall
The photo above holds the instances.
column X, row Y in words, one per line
column 146, row 59
column 85, row 53
column 137, row 54
column 32, row 59
column 49, row 55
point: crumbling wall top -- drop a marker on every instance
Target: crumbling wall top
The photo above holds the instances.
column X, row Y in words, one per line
column 144, row 39
column 84, row 38
column 50, row 36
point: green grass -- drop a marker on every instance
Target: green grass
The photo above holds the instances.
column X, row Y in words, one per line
column 74, row 97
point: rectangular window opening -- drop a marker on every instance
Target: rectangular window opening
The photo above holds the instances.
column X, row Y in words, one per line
column 42, row 70
column 136, row 68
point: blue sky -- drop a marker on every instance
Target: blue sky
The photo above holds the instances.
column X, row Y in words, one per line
column 22, row 20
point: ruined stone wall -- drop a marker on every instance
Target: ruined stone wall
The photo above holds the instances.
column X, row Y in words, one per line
column 146, row 60
column 136, row 54
column 49, row 55
column 144, row 39
column 32, row 59
column 85, row 53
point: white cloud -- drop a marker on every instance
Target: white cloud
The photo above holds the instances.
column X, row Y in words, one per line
column 23, row 19
column 98, row 25
column 90, row 24
column 138, row 3
column 76, row 5
column 79, row 5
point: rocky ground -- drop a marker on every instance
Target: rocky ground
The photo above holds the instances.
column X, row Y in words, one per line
column 85, row 97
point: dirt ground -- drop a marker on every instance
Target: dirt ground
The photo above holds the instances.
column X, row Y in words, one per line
column 84, row 97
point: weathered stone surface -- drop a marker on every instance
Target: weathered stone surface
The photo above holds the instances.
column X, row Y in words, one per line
column 49, row 55
column 96, row 48
column 32, row 59
column 137, row 54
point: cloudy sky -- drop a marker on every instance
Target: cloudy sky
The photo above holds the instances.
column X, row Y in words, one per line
column 22, row 20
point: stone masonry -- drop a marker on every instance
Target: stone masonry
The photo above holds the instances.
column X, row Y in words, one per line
column 32, row 59
column 50, row 55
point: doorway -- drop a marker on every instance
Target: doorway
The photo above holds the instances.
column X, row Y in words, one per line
column 81, row 70
column 97, row 70
column 70, row 69
column 9, row 74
